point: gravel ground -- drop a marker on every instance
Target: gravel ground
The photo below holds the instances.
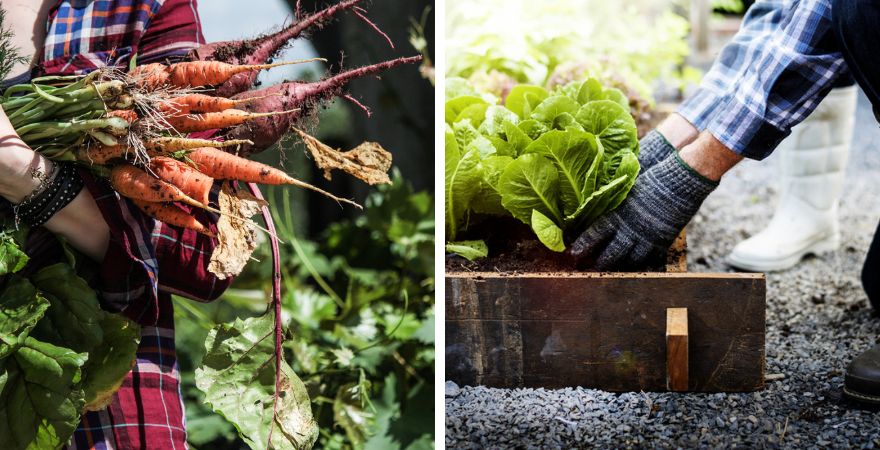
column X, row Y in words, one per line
column 818, row 318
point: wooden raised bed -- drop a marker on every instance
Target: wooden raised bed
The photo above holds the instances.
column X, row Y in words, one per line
column 607, row 330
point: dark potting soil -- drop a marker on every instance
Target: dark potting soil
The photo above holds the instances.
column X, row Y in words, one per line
column 514, row 249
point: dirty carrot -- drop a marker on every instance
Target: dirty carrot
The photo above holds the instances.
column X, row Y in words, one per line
column 192, row 182
column 100, row 154
column 210, row 73
column 136, row 184
column 173, row 144
column 150, row 76
column 216, row 120
column 225, row 166
column 125, row 114
column 172, row 215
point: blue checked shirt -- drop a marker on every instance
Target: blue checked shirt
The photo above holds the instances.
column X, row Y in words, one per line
column 769, row 78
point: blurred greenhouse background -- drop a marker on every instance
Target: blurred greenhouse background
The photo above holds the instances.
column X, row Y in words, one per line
column 358, row 290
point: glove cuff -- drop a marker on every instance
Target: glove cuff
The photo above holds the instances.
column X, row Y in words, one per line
column 653, row 148
column 677, row 176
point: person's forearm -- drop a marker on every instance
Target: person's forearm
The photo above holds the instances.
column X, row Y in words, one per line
column 677, row 130
column 80, row 222
column 709, row 157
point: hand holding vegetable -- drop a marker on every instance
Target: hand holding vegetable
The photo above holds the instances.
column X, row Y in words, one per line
column 662, row 201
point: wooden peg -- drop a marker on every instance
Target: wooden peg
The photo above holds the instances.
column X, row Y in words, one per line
column 676, row 349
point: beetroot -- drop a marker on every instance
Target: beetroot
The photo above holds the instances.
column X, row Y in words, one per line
column 261, row 49
column 296, row 95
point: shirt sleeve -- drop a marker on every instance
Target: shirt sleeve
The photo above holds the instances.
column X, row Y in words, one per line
column 793, row 66
column 173, row 32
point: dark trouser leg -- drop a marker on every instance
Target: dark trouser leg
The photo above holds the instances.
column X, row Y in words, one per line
column 856, row 24
column 871, row 271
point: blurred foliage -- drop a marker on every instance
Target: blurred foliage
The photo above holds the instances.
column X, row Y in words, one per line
column 358, row 304
column 729, row 6
column 638, row 41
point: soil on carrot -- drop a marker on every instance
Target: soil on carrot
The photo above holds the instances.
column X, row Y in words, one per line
column 513, row 248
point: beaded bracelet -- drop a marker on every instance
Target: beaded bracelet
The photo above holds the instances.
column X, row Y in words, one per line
column 61, row 190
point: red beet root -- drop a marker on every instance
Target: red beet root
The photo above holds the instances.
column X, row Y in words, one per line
column 262, row 49
column 296, row 95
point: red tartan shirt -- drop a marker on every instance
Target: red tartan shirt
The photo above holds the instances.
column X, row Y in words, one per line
column 147, row 260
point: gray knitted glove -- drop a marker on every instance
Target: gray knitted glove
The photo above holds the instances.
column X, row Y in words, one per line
column 653, row 148
column 640, row 231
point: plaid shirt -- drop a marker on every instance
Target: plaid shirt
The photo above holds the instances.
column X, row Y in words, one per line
column 146, row 260
column 770, row 77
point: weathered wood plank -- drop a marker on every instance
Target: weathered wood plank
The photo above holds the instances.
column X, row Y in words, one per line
column 677, row 349
column 603, row 330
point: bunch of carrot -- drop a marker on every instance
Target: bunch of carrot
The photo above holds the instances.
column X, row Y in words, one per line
column 131, row 126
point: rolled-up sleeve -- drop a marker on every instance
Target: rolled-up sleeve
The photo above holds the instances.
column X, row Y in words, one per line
column 786, row 71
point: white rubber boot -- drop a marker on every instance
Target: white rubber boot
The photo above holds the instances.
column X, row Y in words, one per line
column 813, row 163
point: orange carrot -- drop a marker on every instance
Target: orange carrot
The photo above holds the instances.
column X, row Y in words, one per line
column 197, row 103
column 150, row 76
column 211, row 73
column 100, row 154
column 172, row 215
column 192, row 182
column 136, row 184
column 173, row 144
column 215, row 120
column 126, row 114
column 226, row 166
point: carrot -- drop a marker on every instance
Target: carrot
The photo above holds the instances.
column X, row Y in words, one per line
column 215, row 120
column 150, row 76
column 136, row 184
column 196, row 103
column 125, row 114
column 173, row 144
column 172, row 215
column 210, row 73
column 100, row 154
column 226, row 166
column 190, row 181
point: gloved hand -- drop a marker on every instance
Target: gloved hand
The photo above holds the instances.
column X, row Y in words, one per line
column 653, row 148
column 640, row 230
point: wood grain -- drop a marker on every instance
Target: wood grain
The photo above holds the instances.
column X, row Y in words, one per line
column 603, row 330
column 677, row 349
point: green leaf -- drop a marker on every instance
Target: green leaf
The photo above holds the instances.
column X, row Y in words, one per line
column 350, row 414
column 548, row 232
column 110, row 361
column 532, row 128
column 467, row 138
column 530, row 182
column 475, row 114
column 523, row 98
column 495, row 120
column 40, row 402
column 611, row 123
column 458, row 87
column 488, row 200
column 237, row 377
column 573, row 153
column 462, row 183
column 454, row 107
column 469, row 250
column 12, row 259
column 552, row 107
column 21, row 307
column 74, row 318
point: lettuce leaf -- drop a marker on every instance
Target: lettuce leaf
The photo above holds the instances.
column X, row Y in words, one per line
column 530, row 182
column 462, row 183
column 611, row 123
column 547, row 231
column 469, row 250
column 523, row 98
column 573, row 153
